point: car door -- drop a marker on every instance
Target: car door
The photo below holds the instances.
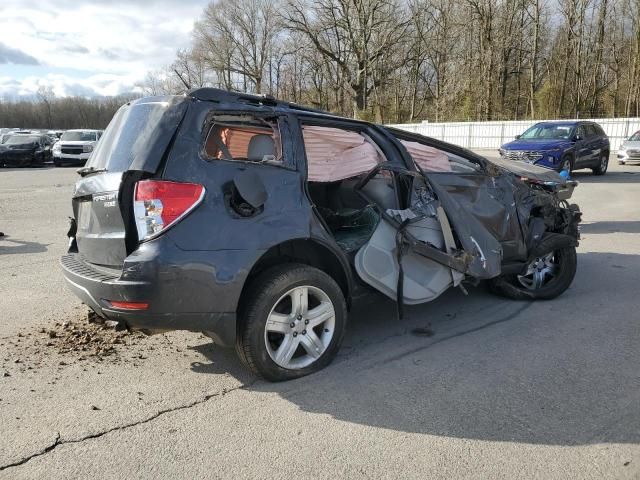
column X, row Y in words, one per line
column 47, row 148
column 481, row 207
column 582, row 147
column 593, row 144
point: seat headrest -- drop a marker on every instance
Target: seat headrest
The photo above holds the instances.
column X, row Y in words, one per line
column 261, row 146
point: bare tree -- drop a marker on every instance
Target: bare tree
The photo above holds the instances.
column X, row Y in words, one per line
column 46, row 96
column 353, row 35
column 237, row 37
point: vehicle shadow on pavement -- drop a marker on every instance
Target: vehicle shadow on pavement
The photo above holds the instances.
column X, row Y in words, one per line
column 559, row 372
column 221, row 361
column 609, row 177
column 9, row 246
column 21, row 169
column 630, row 226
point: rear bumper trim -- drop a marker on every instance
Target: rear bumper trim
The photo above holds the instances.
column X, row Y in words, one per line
column 91, row 287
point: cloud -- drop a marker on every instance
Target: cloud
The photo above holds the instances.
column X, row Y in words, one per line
column 75, row 49
column 15, row 56
column 102, row 84
column 88, row 40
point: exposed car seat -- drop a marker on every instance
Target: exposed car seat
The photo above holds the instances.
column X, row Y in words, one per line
column 261, row 148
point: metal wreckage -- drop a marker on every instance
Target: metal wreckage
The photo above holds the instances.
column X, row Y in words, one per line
column 254, row 220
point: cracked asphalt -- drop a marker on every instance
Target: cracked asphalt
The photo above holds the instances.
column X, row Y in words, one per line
column 502, row 389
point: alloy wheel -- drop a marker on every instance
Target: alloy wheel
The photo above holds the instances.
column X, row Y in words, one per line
column 539, row 272
column 300, row 327
column 604, row 163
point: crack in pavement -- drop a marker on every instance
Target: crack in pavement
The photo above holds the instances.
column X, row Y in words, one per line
column 58, row 441
column 513, row 315
column 206, row 398
column 446, row 338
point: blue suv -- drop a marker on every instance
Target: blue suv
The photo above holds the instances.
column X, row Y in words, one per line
column 561, row 146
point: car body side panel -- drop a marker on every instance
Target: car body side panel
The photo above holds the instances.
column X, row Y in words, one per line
column 214, row 227
column 475, row 238
column 480, row 208
column 490, row 202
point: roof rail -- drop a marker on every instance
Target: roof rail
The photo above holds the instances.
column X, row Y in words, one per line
column 219, row 95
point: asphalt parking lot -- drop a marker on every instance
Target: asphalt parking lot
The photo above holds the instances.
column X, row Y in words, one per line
column 502, row 389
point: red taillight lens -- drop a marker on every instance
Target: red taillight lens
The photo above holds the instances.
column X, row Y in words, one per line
column 129, row 305
column 158, row 204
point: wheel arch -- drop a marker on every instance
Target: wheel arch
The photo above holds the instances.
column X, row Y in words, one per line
column 312, row 252
column 569, row 153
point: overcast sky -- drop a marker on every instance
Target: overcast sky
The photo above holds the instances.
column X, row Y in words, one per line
column 89, row 47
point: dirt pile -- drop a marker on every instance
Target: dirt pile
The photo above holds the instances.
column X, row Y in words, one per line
column 97, row 339
column 66, row 342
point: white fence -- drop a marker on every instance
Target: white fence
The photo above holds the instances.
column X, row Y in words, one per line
column 493, row 134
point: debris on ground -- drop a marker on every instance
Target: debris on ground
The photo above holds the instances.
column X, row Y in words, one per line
column 90, row 339
column 423, row 331
column 63, row 343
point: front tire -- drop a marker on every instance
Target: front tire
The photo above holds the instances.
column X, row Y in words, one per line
column 548, row 275
column 292, row 322
column 566, row 163
column 602, row 167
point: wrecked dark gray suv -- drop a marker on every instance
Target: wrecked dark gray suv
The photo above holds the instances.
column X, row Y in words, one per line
column 254, row 221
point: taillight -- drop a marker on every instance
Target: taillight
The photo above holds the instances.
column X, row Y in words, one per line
column 129, row 305
column 158, row 204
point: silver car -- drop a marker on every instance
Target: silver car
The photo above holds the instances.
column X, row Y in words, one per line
column 629, row 151
column 75, row 147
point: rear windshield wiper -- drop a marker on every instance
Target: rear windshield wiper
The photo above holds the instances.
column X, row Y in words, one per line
column 84, row 171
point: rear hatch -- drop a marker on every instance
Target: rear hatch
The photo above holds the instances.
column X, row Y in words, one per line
column 132, row 147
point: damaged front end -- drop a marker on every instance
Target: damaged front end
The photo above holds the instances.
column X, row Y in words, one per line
column 515, row 229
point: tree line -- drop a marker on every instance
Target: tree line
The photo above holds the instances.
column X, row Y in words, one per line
column 397, row 61
column 410, row 60
column 46, row 111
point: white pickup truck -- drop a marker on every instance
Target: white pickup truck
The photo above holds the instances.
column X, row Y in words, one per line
column 75, row 147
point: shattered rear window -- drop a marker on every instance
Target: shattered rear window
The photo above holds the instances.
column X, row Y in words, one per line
column 127, row 135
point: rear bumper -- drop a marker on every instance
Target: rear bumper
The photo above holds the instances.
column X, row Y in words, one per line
column 97, row 289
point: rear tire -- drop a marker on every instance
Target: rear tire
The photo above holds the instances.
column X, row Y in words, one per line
column 279, row 335
column 562, row 264
column 602, row 167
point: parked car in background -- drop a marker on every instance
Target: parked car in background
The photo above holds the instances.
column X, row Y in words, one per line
column 22, row 150
column 6, row 132
column 568, row 145
column 75, row 147
column 55, row 133
column 629, row 151
column 254, row 220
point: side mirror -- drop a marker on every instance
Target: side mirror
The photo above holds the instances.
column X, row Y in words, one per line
column 517, row 137
column 576, row 138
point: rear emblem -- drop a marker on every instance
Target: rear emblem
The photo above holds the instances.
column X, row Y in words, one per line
column 108, row 199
